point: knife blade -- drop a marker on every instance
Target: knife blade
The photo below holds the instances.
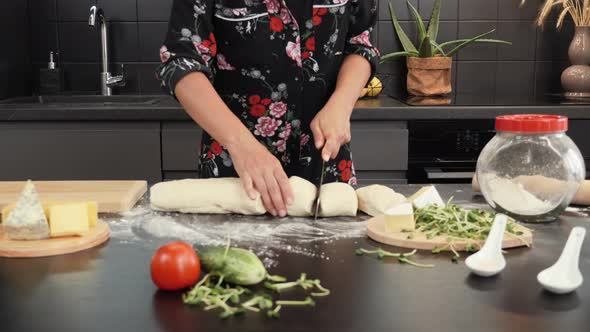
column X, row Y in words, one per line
column 317, row 201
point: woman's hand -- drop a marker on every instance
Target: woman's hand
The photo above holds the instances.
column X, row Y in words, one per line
column 331, row 129
column 261, row 172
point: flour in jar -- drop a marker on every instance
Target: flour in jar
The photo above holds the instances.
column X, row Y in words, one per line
column 512, row 196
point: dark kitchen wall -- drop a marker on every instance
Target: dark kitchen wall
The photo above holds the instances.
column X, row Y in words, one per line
column 14, row 49
column 137, row 29
column 531, row 66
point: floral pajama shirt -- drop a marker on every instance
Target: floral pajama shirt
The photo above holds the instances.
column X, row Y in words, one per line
column 275, row 64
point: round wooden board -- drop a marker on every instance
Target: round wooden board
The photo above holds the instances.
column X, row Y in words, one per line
column 376, row 231
column 54, row 246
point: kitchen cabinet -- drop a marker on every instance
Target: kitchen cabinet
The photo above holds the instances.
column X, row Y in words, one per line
column 380, row 150
column 578, row 132
column 80, row 151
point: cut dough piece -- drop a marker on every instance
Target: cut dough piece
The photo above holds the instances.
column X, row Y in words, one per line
column 207, row 196
column 305, row 194
column 374, row 200
column 338, row 199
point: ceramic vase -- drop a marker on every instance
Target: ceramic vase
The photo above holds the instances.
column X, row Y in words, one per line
column 575, row 79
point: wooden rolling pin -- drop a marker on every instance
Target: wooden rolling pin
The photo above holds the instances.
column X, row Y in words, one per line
column 537, row 183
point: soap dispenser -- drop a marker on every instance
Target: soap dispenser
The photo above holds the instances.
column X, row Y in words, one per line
column 50, row 78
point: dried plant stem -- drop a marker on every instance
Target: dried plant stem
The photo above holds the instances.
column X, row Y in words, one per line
column 578, row 10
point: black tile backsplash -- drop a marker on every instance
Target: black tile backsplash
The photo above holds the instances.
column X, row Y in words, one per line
column 478, row 9
column 478, row 51
column 78, row 42
column 43, row 40
column 124, row 42
column 151, row 36
column 153, row 10
column 449, row 9
column 15, row 62
column 522, row 35
column 532, row 65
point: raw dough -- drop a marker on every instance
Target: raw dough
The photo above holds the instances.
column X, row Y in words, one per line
column 305, row 194
column 338, row 199
column 374, row 200
column 207, row 196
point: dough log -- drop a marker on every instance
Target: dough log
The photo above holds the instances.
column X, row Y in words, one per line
column 206, row 196
column 305, row 194
column 374, row 200
column 337, row 200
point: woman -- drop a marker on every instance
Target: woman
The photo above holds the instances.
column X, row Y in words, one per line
column 273, row 83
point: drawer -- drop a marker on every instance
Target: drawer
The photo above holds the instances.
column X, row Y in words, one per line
column 366, row 178
column 380, row 145
column 80, row 151
column 181, row 142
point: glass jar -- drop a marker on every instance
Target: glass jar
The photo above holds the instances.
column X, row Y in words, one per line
column 531, row 169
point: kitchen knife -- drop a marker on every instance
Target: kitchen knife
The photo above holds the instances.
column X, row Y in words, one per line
column 317, row 201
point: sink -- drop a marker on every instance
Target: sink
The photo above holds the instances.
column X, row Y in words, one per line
column 85, row 100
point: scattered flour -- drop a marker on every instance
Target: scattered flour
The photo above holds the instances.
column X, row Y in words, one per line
column 267, row 237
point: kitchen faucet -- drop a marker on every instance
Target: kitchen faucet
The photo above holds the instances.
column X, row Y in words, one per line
column 107, row 81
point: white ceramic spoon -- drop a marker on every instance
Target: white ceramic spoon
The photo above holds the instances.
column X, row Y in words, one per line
column 489, row 261
column 565, row 276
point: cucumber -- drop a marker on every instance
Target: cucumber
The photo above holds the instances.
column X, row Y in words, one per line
column 237, row 266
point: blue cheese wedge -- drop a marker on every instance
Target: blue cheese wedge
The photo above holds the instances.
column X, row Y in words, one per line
column 425, row 197
column 400, row 218
column 27, row 221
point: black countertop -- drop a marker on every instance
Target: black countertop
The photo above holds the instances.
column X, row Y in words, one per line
column 164, row 108
column 109, row 289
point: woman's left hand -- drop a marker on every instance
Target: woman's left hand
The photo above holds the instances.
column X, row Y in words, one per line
column 331, row 129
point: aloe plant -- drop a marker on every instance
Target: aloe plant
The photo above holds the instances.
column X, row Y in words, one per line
column 428, row 46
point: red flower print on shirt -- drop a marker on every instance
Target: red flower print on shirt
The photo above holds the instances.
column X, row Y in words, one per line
column 320, row 11
column 276, row 24
column 305, row 55
column 266, row 126
column 222, row 63
column 164, row 54
column 286, row 131
column 254, row 99
column 349, row 163
column 265, row 101
column 362, row 39
column 310, row 43
column 342, row 165
column 281, row 145
column 304, row 140
column 346, row 173
column 209, row 155
column 294, row 51
column 257, row 110
column 216, row 148
column 316, row 20
column 272, row 6
column 278, row 109
column 285, row 16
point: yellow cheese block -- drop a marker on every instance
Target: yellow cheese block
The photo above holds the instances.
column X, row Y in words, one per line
column 69, row 219
column 92, row 210
column 400, row 218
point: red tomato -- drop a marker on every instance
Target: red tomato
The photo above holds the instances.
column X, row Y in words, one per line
column 175, row 266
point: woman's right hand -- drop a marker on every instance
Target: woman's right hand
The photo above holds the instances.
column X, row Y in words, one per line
column 262, row 172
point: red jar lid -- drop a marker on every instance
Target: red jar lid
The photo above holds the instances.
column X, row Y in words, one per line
column 532, row 123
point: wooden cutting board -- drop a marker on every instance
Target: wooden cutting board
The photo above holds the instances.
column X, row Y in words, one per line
column 376, row 231
column 54, row 246
column 111, row 196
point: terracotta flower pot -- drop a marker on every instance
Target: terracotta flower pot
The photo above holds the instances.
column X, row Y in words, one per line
column 429, row 76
